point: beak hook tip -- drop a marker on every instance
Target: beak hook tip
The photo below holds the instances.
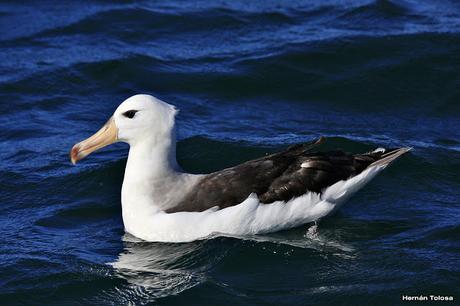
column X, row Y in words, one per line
column 74, row 155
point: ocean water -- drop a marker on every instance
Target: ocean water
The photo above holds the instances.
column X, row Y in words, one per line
column 249, row 78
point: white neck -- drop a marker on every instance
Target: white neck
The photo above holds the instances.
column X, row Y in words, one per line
column 153, row 181
column 153, row 156
column 151, row 164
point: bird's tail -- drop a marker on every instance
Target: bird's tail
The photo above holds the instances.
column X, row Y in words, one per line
column 387, row 157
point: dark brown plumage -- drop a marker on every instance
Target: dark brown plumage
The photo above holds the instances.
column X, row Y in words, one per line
column 280, row 176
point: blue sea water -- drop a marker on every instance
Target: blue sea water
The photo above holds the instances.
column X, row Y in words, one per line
column 250, row 77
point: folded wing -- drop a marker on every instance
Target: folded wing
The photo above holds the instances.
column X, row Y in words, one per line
column 277, row 177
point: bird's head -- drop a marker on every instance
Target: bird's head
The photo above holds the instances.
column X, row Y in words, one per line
column 138, row 118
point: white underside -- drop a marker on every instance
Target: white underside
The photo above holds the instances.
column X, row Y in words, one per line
column 250, row 217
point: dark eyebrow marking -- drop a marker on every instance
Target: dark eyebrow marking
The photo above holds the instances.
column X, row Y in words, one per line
column 130, row 114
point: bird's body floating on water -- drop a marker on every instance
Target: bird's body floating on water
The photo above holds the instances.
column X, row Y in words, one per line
column 283, row 190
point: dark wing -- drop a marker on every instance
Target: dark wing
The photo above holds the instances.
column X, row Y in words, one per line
column 280, row 176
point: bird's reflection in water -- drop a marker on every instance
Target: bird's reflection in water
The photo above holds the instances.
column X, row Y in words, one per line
column 154, row 270
column 162, row 269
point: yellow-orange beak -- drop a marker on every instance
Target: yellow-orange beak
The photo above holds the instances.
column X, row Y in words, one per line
column 106, row 135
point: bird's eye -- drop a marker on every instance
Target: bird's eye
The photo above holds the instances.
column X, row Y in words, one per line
column 130, row 114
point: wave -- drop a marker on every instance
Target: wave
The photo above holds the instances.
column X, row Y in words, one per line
column 132, row 22
column 143, row 23
column 361, row 73
column 379, row 8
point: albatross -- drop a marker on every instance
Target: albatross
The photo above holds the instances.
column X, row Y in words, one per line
column 161, row 202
